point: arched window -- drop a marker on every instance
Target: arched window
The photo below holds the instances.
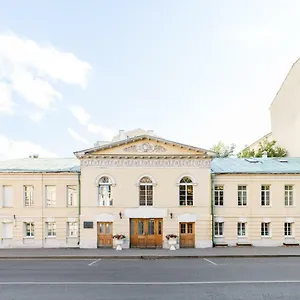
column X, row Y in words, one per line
column 186, row 191
column 104, row 191
column 146, row 191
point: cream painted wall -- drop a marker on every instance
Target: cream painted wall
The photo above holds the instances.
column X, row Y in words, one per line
column 39, row 214
column 125, row 195
column 285, row 118
column 253, row 214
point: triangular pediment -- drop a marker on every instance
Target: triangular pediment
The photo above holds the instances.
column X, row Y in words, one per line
column 145, row 146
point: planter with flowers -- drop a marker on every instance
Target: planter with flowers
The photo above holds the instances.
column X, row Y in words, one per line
column 172, row 239
column 119, row 239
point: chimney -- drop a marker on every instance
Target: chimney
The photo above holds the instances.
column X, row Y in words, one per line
column 150, row 132
column 122, row 135
column 265, row 154
column 34, row 155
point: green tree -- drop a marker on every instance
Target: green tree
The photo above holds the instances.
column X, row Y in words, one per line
column 269, row 147
column 223, row 150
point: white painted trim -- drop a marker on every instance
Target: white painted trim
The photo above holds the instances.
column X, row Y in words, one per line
column 146, row 212
column 187, row 217
column 105, row 217
column 266, row 220
column 72, row 219
column 219, row 219
column 113, row 181
column 50, row 220
column 187, row 175
column 289, row 220
column 243, row 220
column 154, row 182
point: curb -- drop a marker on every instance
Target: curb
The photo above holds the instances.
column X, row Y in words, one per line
column 145, row 257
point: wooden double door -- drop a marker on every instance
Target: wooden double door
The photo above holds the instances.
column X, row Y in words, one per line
column 104, row 234
column 187, row 234
column 146, row 233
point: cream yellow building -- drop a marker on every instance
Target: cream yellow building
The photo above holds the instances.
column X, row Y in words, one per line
column 146, row 187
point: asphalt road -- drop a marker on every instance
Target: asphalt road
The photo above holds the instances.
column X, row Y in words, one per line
column 265, row 278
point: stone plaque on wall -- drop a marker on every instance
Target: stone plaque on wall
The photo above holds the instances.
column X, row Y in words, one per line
column 88, row 224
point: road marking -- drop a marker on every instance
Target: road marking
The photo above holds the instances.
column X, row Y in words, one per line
column 94, row 262
column 210, row 261
column 150, row 283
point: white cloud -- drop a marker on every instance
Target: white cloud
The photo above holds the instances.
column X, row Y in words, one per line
column 77, row 137
column 6, row 102
column 10, row 149
column 83, row 117
column 30, row 69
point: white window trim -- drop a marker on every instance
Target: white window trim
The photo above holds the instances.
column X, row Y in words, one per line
column 76, row 195
column 292, row 230
column 47, row 230
column 110, row 199
column 260, row 198
column 186, row 194
column 46, row 194
column 68, row 230
column 246, row 230
column 24, row 235
column 242, row 192
column 270, row 232
column 218, row 192
column 139, row 192
column 293, row 196
column 223, row 227
column 31, row 203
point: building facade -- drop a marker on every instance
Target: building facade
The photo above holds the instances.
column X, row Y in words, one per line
column 146, row 187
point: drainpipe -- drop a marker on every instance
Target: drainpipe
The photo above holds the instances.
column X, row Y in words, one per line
column 212, row 206
column 79, row 205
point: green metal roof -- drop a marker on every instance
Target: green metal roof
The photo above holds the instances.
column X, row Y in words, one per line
column 286, row 165
column 40, row 165
column 290, row 165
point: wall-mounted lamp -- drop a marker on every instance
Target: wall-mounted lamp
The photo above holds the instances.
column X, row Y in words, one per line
column 171, row 215
column 120, row 214
column 14, row 220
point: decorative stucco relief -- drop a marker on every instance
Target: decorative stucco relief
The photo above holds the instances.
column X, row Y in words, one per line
column 145, row 148
column 146, row 163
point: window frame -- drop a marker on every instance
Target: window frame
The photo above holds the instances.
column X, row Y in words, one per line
column 146, row 190
column 30, row 201
column 50, row 228
column 263, row 227
column 105, row 185
column 242, row 224
column 265, row 192
column 288, row 230
column 242, row 193
column 31, row 230
column 219, row 193
column 186, row 190
column 288, row 195
column 75, row 229
column 70, row 202
column 54, row 192
column 219, row 226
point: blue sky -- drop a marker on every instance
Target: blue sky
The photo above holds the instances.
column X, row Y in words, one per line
column 74, row 72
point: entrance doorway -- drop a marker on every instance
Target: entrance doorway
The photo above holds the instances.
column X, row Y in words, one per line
column 187, row 234
column 104, row 234
column 146, row 233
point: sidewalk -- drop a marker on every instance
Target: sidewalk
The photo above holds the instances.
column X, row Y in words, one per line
column 149, row 253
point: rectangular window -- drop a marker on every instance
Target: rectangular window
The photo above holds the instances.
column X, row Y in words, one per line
column 265, row 229
column 146, row 195
column 219, row 229
column 265, row 195
column 28, row 195
column 50, row 195
column 288, row 229
column 72, row 195
column 72, row 229
column 51, row 229
column 104, row 195
column 29, row 229
column 242, row 195
column 7, row 230
column 219, row 195
column 288, row 195
column 241, row 229
column 7, row 196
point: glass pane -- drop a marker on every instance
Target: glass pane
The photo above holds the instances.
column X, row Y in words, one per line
column 132, row 227
column 159, row 227
column 108, row 228
column 182, row 228
column 189, row 228
column 140, row 227
column 101, row 228
column 150, row 227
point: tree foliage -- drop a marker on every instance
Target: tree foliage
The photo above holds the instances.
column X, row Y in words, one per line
column 223, row 150
column 270, row 147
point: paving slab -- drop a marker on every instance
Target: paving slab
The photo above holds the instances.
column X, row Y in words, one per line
column 76, row 253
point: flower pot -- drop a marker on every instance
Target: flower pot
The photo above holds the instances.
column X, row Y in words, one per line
column 172, row 243
column 119, row 244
